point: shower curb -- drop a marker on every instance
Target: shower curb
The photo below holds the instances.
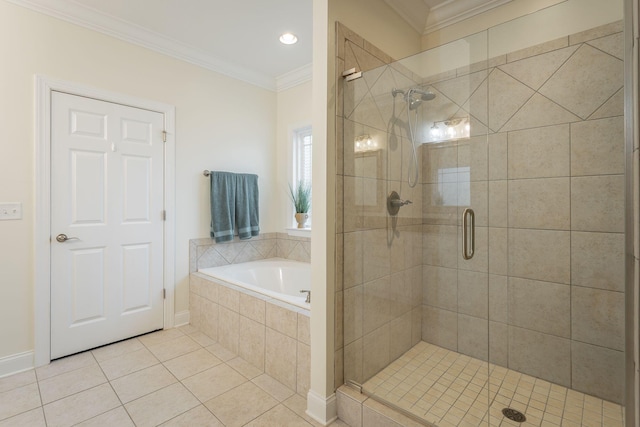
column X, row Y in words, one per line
column 358, row 410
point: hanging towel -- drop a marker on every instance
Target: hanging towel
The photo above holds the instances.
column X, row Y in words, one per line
column 247, row 209
column 234, row 206
column 223, row 206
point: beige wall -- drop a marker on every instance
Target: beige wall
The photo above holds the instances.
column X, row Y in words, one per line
column 376, row 22
column 216, row 128
column 294, row 111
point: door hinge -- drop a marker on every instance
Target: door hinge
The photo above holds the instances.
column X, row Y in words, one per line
column 164, row 294
column 164, row 136
column 164, row 215
column 351, row 74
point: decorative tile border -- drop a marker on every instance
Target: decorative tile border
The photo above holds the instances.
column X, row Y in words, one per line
column 207, row 253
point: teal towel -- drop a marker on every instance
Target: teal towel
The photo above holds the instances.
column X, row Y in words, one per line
column 234, row 206
column 223, row 206
column 247, row 208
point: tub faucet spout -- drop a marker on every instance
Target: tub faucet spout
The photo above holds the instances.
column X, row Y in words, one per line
column 308, row 300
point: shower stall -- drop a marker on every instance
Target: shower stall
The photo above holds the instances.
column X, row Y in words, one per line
column 490, row 287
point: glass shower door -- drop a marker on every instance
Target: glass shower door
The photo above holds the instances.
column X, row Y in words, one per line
column 456, row 235
column 414, row 158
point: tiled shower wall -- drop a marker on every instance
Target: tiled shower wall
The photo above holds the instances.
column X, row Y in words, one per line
column 548, row 190
column 545, row 177
column 207, row 253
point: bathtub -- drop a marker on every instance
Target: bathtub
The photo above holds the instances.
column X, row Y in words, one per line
column 277, row 278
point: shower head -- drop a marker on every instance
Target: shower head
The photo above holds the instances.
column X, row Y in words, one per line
column 414, row 96
column 424, row 95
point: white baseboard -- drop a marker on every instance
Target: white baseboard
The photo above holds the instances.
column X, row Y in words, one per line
column 181, row 318
column 322, row 410
column 15, row 363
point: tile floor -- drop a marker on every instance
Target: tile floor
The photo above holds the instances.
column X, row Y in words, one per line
column 450, row 389
column 176, row 377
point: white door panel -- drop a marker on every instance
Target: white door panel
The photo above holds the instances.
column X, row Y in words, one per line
column 106, row 193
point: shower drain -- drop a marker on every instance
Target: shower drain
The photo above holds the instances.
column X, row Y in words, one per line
column 514, row 415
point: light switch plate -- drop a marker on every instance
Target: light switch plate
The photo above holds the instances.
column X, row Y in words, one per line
column 10, row 211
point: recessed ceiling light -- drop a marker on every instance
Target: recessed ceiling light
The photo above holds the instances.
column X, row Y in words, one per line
column 288, row 38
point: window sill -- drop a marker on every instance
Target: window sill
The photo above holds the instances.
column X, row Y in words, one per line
column 299, row 232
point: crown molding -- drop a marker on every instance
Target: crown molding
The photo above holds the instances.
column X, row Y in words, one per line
column 294, row 77
column 131, row 33
column 453, row 11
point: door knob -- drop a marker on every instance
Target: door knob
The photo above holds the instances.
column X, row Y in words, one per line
column 63, row 238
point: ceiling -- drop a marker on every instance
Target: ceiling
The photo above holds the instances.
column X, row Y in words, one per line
column 237, row 38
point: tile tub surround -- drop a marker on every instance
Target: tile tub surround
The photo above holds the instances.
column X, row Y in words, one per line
column 207, row 253
column 546, row 181
column 271, row 335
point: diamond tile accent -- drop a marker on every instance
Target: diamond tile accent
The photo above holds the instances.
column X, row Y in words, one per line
column 368, row 114
column 477, row 104
column 358, row 88
column 613, row 107
column 380, row 81
column 537, row 112
column 210, row 258
column 230, row 251
column 248, row 253
column 613, row 45
column 536, row 70
column 440, row 108
column 585, row 82
column 460, row 89
column 264, row 247
column 401, row 79
column 365, row 60
column 506, row 96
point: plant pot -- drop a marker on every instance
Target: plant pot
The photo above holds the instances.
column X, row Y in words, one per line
column 301, row 219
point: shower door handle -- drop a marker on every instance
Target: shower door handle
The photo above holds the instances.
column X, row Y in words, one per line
column 468, row 243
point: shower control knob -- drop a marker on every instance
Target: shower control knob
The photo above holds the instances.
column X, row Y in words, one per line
column 400, row 203
column 394, row 203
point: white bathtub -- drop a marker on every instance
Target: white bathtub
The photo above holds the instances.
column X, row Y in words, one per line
column 277, row 278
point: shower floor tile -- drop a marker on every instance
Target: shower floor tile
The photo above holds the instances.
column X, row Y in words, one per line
column 446, row 388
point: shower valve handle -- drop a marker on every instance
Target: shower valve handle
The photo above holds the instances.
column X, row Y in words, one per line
column 399, row 203
column 394, row 203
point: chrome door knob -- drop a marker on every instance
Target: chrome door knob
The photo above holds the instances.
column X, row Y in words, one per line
column 63, row 238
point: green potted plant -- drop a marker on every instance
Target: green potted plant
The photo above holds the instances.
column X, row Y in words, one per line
column 301, row 198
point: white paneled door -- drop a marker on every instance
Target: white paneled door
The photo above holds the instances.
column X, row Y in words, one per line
column 107, row 169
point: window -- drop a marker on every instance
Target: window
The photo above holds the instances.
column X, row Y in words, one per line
column 302, row 155
column 302, row 159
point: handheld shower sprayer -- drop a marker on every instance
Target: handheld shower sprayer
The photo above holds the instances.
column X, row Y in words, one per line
column 413, row 97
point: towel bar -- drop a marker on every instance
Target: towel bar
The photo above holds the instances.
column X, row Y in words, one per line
column 206, row 173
